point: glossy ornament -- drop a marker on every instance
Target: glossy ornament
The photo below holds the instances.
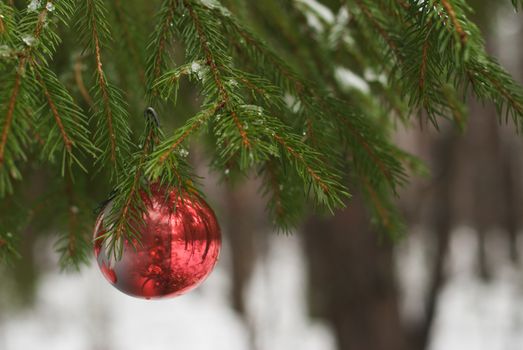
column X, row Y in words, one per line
column 179, row 247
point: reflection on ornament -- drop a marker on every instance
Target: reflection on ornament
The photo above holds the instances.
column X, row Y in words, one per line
column 178, row 249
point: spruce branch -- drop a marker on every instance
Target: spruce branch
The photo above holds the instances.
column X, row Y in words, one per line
column 11, row 113
column 8, row 252
column 78, row 77
column 285, row 196
column 441, row 50
column 166, row 164
column 159, row 46
column 113, row 134
column 449, row 8
column 73, row 244
column 123, row 216
column 517, row 4
column 211, row 61
column 490, row 82
column 14, row 220
column 69, row 133
column 319, row 109
column 378, row 27
column 271, row 105
column 125, row 25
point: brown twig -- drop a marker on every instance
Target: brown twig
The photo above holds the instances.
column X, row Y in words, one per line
column 196, row 125
column 383, row 33
column 2, row 25
column 103, row 87
column 67, row 141
column 161, row 46
column 78, row 78
column 516, row 104
column 298, row 156
column 424, row 57
column 16, row 88
column 10, row 110
column 127, row 37
column 382, row 212
column 452, row 14
column 300, row 89
column 127, row 206
column 215, row 71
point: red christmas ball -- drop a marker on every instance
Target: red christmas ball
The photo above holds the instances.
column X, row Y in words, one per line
column 179, row 246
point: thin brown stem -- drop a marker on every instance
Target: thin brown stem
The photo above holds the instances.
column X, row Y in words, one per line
column 127, row 206
column 10, row 110
column 215, row 72
column 506, row 93
column 382, row 212
column 161, row 45
column 67, row 141
column 2, row 26
column 424, row 57
column 78, row 78
column 120, row 16
column 452, row 14
column 103, row 86
column 383, row 33
column 299, row 157
column 188, row 132
column 16, row 88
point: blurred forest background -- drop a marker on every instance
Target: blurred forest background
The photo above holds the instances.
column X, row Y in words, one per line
column 454, row 282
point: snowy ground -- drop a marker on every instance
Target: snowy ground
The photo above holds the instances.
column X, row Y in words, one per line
column 82, row 311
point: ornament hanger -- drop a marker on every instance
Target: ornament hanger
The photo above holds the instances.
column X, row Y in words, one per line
column 149, row 114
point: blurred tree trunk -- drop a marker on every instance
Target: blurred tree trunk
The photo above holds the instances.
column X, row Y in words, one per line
column 240, row 231
column 437, row 218
column 245, row 221
column 352, row 280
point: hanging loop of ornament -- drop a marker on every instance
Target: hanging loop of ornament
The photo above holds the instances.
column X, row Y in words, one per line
column 152, row 130
column 150, row 114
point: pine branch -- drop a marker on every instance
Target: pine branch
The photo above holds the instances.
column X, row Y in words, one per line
column 123, row 216
column 286, row 198
column 439, row 48
column 78, row 77
column 517, row 4
column 167, row 164
column 449, row 8
column 73, row 244
column 124, row 24
column 278, row 107
column 379, row 28
column 10, row 112
column 113, row 134
column 163, row 34
column 69, row 134
column 13, row 220
column 8, row 252
column 313, row 173
column 322, row 109
column 211, row 62
column 12, row 146
column 490, row 82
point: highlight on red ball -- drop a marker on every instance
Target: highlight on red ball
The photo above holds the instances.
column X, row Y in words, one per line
column 179, row 247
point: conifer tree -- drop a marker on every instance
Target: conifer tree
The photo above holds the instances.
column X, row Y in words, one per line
column 304, row 100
